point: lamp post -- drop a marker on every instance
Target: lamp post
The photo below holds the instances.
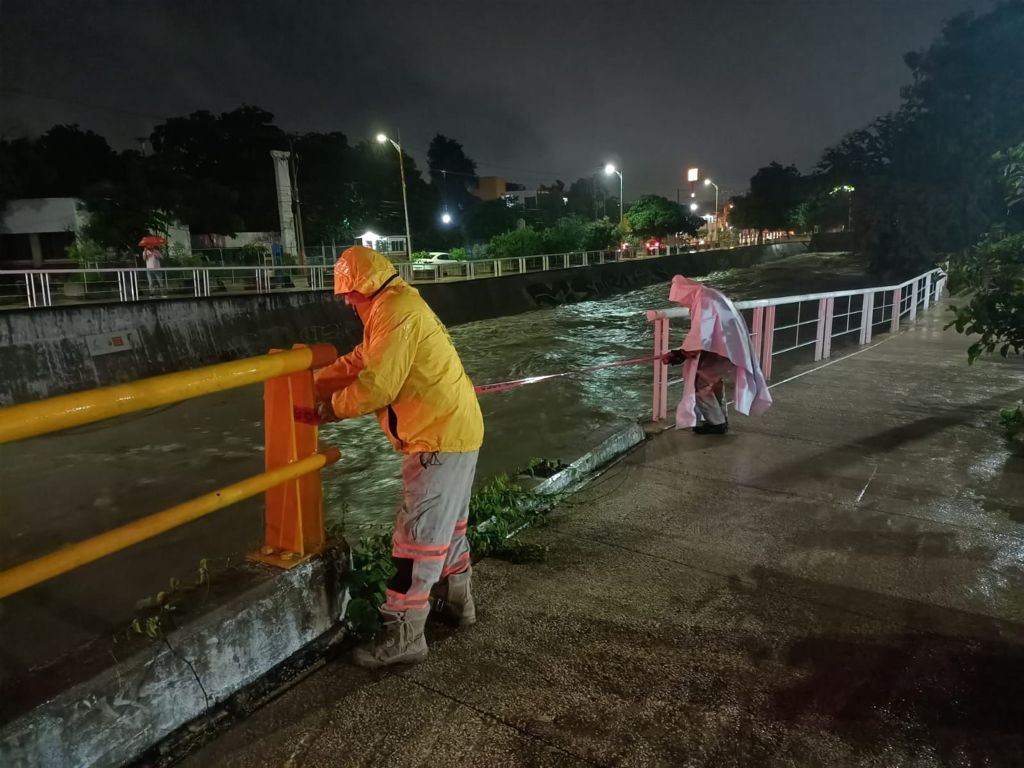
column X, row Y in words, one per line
column 849, row 189
column 609, row 169
column 382, row 138
column 706, row 183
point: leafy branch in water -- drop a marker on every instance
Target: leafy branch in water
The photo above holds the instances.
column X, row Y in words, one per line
column 497, row 511
column 1012, row 421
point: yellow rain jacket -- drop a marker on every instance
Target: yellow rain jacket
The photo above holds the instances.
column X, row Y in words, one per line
column 406, row 369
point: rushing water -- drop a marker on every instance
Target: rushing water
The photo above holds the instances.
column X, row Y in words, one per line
column 561, row 418
column 65, row 487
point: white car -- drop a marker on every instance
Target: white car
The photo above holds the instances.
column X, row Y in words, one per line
column 433, row 261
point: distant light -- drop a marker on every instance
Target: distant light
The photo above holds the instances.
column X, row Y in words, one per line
column 371, row 236
column 446, row 218
column 609, row 169
column 565, row 201
column 693, row 206
column 693, row 194
column 693, row 174
column 707, row 182
column 382, row 138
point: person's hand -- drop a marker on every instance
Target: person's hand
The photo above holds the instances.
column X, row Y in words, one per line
column 675, row 357
column 321, row 413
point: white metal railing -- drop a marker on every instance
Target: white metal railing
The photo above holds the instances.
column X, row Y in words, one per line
column 810, row 320
column 49, row 287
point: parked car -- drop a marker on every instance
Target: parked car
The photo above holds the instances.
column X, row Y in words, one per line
column 433, row 261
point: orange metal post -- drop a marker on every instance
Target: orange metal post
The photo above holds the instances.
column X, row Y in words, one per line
column 294, row 519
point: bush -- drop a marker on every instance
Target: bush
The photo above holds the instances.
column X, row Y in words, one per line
column 599, row 235
column 519, row 242
column 566, row 234
column 457, row 254
column 419, row 256
column 993, row 274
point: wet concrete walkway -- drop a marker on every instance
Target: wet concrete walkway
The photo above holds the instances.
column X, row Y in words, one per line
column 840, row 582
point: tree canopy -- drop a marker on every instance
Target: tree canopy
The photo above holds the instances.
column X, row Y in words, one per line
column 657, row 216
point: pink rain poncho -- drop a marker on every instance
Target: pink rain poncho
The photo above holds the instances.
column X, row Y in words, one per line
column 717, row 326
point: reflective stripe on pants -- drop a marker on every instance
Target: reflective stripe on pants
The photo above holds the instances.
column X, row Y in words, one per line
column 430, row 528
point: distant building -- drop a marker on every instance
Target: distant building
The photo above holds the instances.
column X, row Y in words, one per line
column 37, row 230
column 395, row 247
column 490, row 187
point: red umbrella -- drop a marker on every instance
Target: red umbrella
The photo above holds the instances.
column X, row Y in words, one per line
column 152, row 241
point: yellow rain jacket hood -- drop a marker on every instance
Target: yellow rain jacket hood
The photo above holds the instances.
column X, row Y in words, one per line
column 406, row 369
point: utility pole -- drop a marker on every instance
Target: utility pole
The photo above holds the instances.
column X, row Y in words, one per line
column 300, row 242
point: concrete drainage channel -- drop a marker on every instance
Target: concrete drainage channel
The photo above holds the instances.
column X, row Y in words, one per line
column 178, row 688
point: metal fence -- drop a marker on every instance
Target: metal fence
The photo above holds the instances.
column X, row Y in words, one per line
column 786, row 324
column 51, row 287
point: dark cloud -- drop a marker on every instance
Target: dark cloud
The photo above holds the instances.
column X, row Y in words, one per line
column 535, row 90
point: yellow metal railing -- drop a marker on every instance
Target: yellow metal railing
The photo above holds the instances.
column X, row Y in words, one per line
column 291, row 482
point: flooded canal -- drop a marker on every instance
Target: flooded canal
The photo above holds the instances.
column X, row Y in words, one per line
column 65, row 487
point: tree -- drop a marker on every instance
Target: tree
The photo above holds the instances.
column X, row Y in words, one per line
column 327, row 188
column 452, row 173
column 924, row 172
column 525, row 241
column 490, row 218
column 657, row 216
column 775, row 192
column 992, row 275
column 203, row 160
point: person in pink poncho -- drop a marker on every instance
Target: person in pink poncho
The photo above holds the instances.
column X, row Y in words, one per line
column 718, row 341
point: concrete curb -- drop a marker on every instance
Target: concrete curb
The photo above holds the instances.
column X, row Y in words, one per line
column 577, row 474
column 115, row 716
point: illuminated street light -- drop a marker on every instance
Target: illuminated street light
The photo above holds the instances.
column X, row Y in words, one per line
column 446, row 218
column 709, row 182
column 849, row 189
column 609, row 169
column 382, row 138
column 693, row 206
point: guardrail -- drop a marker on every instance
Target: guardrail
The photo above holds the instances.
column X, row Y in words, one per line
column 294, row 527
column 50, row 287
column 809, row 320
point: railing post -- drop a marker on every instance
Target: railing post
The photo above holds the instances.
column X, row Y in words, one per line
column 824, row 329
column 658, row 365
column 897, row 299
column 294, row 527
column 915, row 287
column 928, row 290
column 757, row 332
column 768, row 342
column 830, row 311
column 867, row 315
column 30, row 289
column 546, row 261
column 522, row 264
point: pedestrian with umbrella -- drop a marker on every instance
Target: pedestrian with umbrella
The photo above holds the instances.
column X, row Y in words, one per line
column 151, row 255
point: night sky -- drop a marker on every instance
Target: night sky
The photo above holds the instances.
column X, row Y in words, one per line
column 535, row 90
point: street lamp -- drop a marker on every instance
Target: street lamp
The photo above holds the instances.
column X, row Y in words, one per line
column 708, row 182
column 609, row 169
column 849, row 189
column 693, row 207
column 446, row 218
column 382, row 138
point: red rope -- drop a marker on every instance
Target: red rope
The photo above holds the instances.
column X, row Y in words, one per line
column 504, row 386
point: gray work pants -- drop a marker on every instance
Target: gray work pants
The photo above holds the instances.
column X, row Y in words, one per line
column 429, row 542
column 709, row 390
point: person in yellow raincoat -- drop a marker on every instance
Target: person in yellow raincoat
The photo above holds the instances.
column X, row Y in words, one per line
column 407, row 372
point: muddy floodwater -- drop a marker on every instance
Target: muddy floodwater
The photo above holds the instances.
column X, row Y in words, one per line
column 65, row 487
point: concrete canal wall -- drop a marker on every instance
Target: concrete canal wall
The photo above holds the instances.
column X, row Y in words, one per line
column 55, row 350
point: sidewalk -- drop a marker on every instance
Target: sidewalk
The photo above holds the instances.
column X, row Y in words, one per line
column 840, row 582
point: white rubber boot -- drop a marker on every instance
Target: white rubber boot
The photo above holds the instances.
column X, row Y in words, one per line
column 400, row 641
column 452, row 599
